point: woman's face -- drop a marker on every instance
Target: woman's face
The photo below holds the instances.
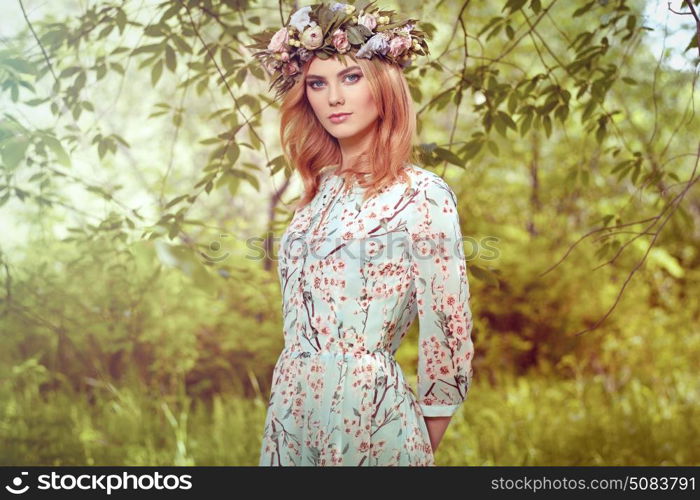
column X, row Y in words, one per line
column 332, row 87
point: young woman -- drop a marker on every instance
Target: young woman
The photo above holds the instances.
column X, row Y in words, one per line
column 374, row 242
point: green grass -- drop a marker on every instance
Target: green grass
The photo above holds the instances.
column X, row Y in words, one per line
column 521, row 421
column 536, row 421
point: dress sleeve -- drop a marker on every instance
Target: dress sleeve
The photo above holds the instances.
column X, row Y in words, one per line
column 442, row 297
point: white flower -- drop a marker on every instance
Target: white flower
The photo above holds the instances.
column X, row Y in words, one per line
column 368, row 20
column 379, row 44
column 312, row 38
column 300, row 19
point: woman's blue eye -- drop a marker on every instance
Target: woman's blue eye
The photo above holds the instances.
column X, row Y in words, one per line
column 311, row 84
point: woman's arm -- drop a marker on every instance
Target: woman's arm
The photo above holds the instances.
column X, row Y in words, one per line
column 442, row 296
column 436, row 429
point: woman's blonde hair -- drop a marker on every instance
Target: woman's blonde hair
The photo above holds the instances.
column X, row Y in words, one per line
column 309, row 148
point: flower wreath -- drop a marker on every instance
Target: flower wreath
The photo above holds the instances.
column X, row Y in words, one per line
column 326, row 30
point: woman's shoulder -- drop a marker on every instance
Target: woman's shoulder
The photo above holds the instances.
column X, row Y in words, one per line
column 434, row 207
column 429, row 182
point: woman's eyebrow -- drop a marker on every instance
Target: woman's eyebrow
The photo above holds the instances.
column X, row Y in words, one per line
column 340, row 73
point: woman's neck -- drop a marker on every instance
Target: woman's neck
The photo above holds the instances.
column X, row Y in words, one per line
column 351, row 149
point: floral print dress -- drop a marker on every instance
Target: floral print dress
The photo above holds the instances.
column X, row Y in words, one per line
column 354, row 275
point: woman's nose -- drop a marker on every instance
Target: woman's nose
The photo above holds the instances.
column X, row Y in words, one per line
column 334, row 95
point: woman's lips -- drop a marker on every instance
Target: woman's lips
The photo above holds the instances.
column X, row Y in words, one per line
column 339, row 118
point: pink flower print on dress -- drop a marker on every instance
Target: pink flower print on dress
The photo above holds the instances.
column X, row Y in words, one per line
column 338, row 396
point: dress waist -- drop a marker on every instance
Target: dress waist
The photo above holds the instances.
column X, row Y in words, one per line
column 295, row 353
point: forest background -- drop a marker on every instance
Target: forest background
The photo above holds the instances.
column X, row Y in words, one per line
column 143, row 192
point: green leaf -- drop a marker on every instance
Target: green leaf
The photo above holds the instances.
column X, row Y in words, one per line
column 36, row 102
column 155, row 30
column 227, row 60
column 278, row 164
column 513, row 101
column 635, row 174
column 240, row 76
column 71, row 70
column 484, row 274
column 170, row 58
column 449, row 156
column 354, row 36
column 514, row 5
column 105, row 31
column 472, row 148
column 525, row 125
column 176, row 200
column 600, row 133
column 361, row 5
column 254, row 138
column 79, row 82
column 242, row 174
column 547, row 124
column 156, row 71
column 588, row 110
column 120, row 18
column 561, row 113
column 14, row 151
column 499, row 124
column 117, row 67
column 489, row 25
column 582, row 10
column 257, row 72
column 416, row 94
column 250, row 101
column 442, row 101
column 174, row 230
column 493, row 147
column 607, row 218
column 232, row 153
column 182, row 45
column 55, row 146
column 507, row 120
column 20, row 65
column 102, row 148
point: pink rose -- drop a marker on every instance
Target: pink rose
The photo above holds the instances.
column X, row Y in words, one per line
column 271, row 66
column 368, row 20
column 279, row 40
column 312, row 38
column 399, row 44
column 290, row 68
column 340, row 41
